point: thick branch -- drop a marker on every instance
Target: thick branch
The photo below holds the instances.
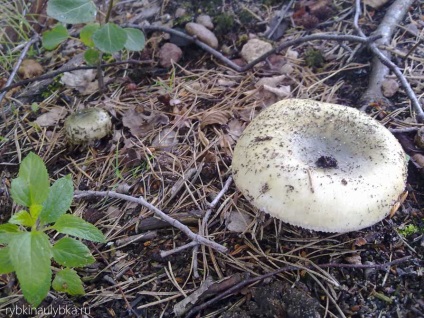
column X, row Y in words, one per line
column 381, row 63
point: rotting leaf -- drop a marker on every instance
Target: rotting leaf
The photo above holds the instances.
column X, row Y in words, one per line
column 52, row 117
column 271, row 90
column 376, row 3
column 140, row 124
column 360, row 241
column 354, row 259
column 235, row 128
column 165, row 139
column 81, row 80
column 273, row 81
column 309, row 13
column 237, row 221
column 213, row 117
column 181, row 307
column 282, row 91
column 30, row 69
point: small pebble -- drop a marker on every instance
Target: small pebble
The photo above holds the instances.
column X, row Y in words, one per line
column 255, row 48
column 389, row 87
column 205, row 20
column 202, row 33
column 169, row 53
column 180, row 12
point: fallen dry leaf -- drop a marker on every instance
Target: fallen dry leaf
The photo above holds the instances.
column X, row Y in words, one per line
column 235, row 128
column 52, row 117
column 181, row 307
column 180, row 113
column 237, row 222
column 376, row 3
column 282, row 91
column 30, row 68
column 213, row 117
column 81, row 80
column 354, row 259
column 360, row 241
column 140, row 124
column 225, row 141
column 165, row 140
column 270, row 89
column 226, row 82
column 418, row 160
column 309, row 13
column 273, row 81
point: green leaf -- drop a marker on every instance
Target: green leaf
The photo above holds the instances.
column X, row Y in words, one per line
column 72, row 11
column 73, row 225
column 30, row 254
column 20, row 192
column 92, row 56
column 72, row 253
column 68, row 281
column 55, row 36
column 35, row 107
column 7, row 231
column 22, row 218
column 34, row 210
column 32, row 185
column 110, row 38
column 135, row 39
column 59, row 200
column 6, row 266
column 87, row 33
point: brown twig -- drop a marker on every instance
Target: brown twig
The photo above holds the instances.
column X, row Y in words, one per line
column 204, row 221
column 250, row 281
column 140, row 200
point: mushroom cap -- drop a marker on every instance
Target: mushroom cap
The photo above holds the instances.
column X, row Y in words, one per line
column 87, row 125
column 321, row 166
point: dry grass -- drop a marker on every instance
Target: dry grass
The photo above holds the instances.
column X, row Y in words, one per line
column 186, row 178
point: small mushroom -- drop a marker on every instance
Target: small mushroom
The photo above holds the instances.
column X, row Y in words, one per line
column 87, row 125
column 320, row 166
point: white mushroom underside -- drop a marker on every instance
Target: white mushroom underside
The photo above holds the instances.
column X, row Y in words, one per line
column 274, row 166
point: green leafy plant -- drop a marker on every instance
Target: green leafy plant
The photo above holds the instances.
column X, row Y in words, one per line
column 99, row 38
column 27, row 248
column 410, row 229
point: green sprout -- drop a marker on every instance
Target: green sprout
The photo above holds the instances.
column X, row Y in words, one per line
column 27, row 240
column 410, row 229
column 99, row 38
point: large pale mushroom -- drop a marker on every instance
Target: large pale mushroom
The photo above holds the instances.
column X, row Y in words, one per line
column 321, row 166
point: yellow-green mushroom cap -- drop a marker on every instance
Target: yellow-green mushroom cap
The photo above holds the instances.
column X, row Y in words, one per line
column 87, row 125
column 320, row 166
